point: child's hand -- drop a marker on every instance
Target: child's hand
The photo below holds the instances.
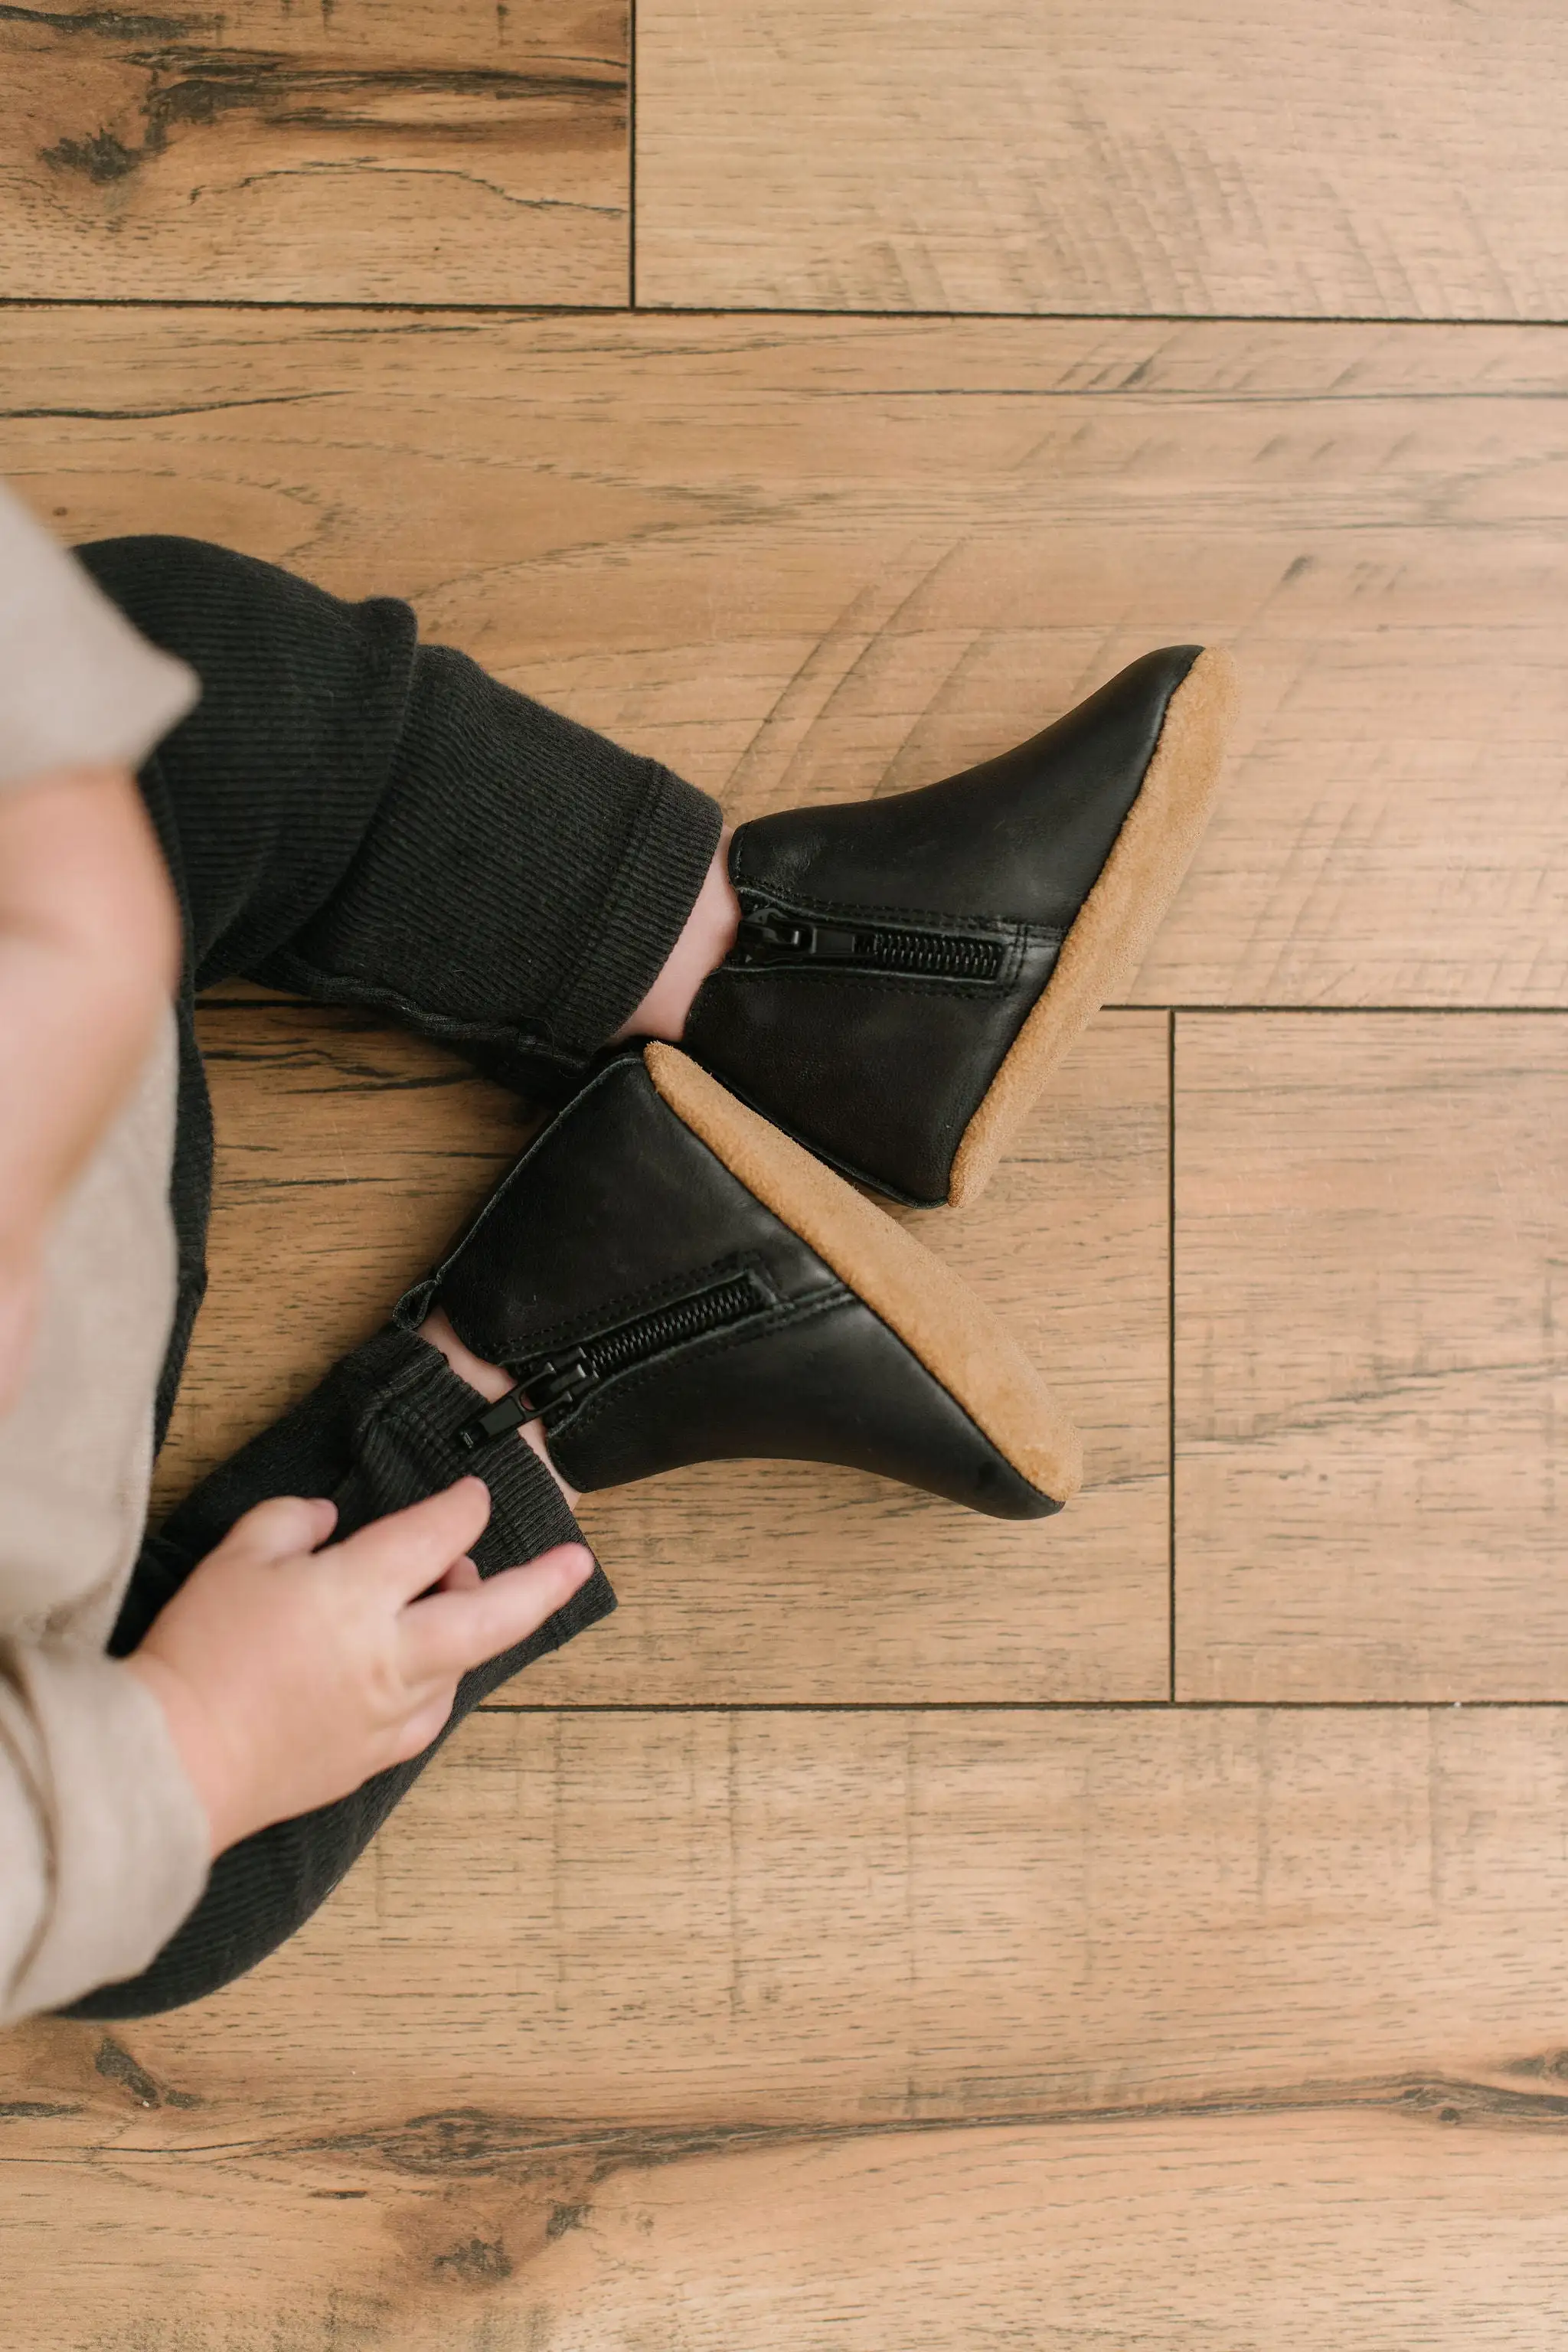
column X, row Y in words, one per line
column 290, row 1675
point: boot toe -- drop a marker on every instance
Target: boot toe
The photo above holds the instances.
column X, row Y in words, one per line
column 909, row 970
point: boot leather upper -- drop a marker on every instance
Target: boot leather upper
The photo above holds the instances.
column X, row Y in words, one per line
column 618, row 1209
column 880, row 1070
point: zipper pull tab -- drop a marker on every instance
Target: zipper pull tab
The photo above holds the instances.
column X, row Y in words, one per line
column 769, row 931
column 511, row 1413
column 549, row 1383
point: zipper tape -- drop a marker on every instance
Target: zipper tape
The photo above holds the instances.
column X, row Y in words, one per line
column 553, row 1384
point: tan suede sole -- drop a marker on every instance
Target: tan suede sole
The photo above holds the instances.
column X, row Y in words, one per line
column 1119, row 919
column 938, row 1317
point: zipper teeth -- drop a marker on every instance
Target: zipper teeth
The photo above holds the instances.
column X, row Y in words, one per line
column 669, row 1327
column 931, row 953
column 738, row 1299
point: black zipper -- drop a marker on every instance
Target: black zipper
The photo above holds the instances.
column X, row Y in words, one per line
column 555, row 1384
column 771, row 933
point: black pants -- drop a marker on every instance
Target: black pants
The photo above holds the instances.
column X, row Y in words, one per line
column 371, row 821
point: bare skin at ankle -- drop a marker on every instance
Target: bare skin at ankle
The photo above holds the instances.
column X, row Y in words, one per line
column 704, row 943
column 492, row 1384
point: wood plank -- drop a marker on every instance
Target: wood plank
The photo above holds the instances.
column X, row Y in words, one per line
column 1371, row 1372
column 798, row 558
column 1346, row 161
column 348, row 1152
column 1338, row 2231
column 639, row 1943
column 381, row 150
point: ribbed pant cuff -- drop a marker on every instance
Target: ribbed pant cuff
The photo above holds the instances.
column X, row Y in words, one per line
column 655, row 886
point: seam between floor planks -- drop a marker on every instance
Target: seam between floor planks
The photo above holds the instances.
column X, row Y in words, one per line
column 566, row 1707
column 744, row 310
column 631, row 154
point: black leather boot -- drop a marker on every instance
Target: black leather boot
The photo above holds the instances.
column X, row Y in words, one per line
column 670, row 1280
column 909, row 970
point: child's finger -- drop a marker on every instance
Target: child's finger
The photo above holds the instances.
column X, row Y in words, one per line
column 410, row 1551
column 449, row 1631
column 281, row 1526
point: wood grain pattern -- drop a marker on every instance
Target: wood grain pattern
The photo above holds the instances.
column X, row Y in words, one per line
column 348, row 1152
column 862, row 1916
column 804, row 560
column 369, row 150
column 1372, row 1370
column 1338, row 2231
column 903, row 2027
column 644, row 2006
column 1397, row 162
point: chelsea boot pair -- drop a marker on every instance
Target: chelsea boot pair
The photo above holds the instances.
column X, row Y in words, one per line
column 669, row 1277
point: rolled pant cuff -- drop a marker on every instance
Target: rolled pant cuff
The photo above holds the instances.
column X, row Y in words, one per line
column 655, row 886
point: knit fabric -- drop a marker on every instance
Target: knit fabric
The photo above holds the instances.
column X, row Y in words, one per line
column 371, row 821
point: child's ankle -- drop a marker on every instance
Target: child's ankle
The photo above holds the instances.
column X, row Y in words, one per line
column 492, row 1384
column 704, row 943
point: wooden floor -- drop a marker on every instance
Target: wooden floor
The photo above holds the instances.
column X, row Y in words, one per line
column 895, row 1930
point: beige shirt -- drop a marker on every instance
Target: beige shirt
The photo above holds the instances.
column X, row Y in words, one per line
column 103, row 1842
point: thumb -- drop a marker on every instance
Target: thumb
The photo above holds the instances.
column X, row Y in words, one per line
column 280, row 1527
